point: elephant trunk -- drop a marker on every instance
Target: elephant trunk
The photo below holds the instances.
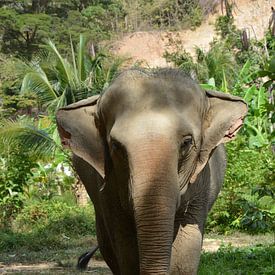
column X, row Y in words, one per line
column 155, row 197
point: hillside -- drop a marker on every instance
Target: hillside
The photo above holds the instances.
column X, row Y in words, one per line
column 149, row 47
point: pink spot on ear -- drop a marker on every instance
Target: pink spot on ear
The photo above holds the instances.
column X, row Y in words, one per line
column 65, row 136
column 234, row 128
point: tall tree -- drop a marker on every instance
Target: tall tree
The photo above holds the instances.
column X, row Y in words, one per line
column 22, row 33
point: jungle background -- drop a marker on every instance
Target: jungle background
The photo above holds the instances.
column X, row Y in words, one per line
column 53, row 53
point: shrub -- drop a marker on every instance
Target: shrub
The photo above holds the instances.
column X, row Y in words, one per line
column 15, row 167
column 48, row 224
column 245, row 201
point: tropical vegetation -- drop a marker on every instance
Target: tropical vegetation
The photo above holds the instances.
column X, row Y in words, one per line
column 247, row 198
column 54, row 53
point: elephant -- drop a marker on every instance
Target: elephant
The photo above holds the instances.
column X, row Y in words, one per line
column 150, row 153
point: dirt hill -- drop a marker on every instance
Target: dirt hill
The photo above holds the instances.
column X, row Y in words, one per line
column 149, row 47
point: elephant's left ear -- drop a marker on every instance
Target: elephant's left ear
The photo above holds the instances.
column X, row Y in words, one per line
column 223, row 118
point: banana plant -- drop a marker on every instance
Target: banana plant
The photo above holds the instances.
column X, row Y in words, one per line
column 268, row 72
column 257, row 124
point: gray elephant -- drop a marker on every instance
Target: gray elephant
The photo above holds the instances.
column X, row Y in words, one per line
column 149, row 152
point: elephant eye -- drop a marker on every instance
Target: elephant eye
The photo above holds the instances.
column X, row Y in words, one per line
column 115, row 145
column 186, row 144
column 118, row 151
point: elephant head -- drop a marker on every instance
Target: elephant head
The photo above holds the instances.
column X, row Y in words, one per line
column 152, row 134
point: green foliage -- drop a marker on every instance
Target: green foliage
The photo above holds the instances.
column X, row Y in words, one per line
column 16, row 169
column 22, row 33
column 21, row 145
column 163, row 14
column 269, row 72
column 182, row 60
column 25, row 135
column 26, row 25
column 229, row 260
column 225, row 27
column 97, row 18
column 13, row 105
column 247, row 198
column 250, row 163
column 52, row 179
column 257, row 124
column 47, row 225
column 218, row 63
column 58, row 82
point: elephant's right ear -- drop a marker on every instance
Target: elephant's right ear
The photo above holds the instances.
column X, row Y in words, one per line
column 77, row 129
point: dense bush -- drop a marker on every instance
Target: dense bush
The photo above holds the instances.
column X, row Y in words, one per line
column 16, row 170
column 247, row 198
column 48, row 224
column 218, row 63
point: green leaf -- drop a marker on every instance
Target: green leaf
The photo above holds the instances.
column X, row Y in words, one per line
column 208, row 87
column 263, row 73
column 27, row 136
column 38, row 83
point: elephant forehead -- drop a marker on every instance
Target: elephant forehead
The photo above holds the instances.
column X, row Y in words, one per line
column 149, row 126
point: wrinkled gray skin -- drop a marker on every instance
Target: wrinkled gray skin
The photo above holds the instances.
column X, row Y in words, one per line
column 148, row 153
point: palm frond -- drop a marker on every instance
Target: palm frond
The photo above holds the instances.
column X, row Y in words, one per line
column 82, row 74
column 23, row 134
column 73, row 55
column 64, row 69
column 39, row 83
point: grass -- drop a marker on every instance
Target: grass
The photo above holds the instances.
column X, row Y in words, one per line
column 239, row 261
column 257, row 259
column 57, row 233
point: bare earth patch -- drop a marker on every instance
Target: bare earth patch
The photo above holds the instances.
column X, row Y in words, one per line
column 98, row 267
column 149, row 47
column 211, row 244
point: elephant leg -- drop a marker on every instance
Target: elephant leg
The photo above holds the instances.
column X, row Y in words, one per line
column 105, row 246
column 186, row 250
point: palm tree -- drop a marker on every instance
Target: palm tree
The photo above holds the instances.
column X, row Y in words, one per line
column 57, row 82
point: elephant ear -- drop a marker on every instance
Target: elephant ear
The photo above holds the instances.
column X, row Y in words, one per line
column 77, row 129
column 223, row 118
